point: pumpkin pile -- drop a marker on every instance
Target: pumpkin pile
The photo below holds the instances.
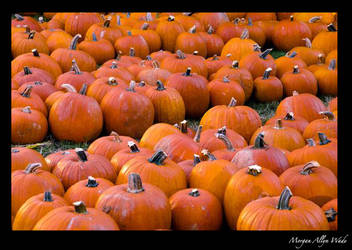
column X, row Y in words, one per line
column 128, row 84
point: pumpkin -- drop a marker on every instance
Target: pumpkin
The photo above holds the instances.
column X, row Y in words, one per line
column 36, row 60
column 160, row 55
column 131, row 207
column 212, row 175
column 142, row 65
column 27, row 98
column 284, row 212
column 333, row 104
column 290, row 120
column 316, row 25
column 221, row 91
column 263, row 155
column 151, row 76
column 211, row 18
column 195, row 209
column 188, row 165
column 168, row 31
column 31, row 75
column 137, row 42
column 246, row 185
column 26, row 20
column 305, row 105
column 213, row 42
column 70, row 114
column 53, row 158
column 283, row 15
column 150, row 36
column 215, row 62
column 105, row 30
column 300, row 80
column 76, row 217
column 58, row 39
column 185, row 129
column 42, row 89
column 25, row 44
column 323, row 151
column 158, row 170
column 87, row 190
column 31, row 181
column 35, row 208
column 267, row 88
column 193, row 89
column 257, row 62
column 188, row 21
column 135, row 112
column 124, row 60
column 190, row 41
column 330, row 210
column 242, row 119
column 109, row 145
column 320, row 64
column 234, row 15
column 326, row 41
column 287, row 62
column 288, row 34
column 55, row 24
column 326, row 17
column 268, row 27
column 114, row 71
column 256, row 33
column 326, row 125
column 73, row 168
column 255, row 16
column 228, row 30
column 101, row 86
column 332, row 55
column 224, row 154
column 64, row 56
column 21, row 157
column 327, row 79
column 52, row 98
column 27, row 126
column 311, row 181
column 156, row 132
column 79, row 23
column 307, row 53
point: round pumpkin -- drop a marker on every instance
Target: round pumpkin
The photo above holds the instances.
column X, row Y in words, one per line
column 21, row 157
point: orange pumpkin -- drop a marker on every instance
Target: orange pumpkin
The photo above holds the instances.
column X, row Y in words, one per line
column 330, row 210
column 21, row 157
column 156, row 132
column 268, row 88
column 326, row 125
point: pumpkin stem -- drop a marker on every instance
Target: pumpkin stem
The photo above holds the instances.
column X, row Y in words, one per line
column 245, row 34
column 284, row 199
column 92, row 182
column 332, row 64
column 107, row 22
column 171, row 18
column 135, row 184
column 308, row 168
column 14, row 150
column 278, row 124
column 75, row 67
column 267, row 73
column 291, row 18
column 194, row 193
column 222, row 130
column 232, row 103
column 26, row 70
column 112, row 81
column 47, row 196
column 38, row 83
column 320, row 59
column 161, row 86
column 265, row 53
column 292, row 54
column 295, row 92
column 180, row 54
column 254, row 170
column 330, row 214
column 158, row 158
column 323, row 139
column 331, row 27
column 69, row 88
column 74, row 41
column 184, row 126
column 256, row 47
column 83, row 90
column 148, row 17
column 250, row 22
column 32, row 167
column 210, row 156
column 308, row 42
column 31, row 34
column 141, row 84
column 226, row 141
column 27, row 91
column 328, row 114
column 236, row 20
column 314, row 19
column 226, row 79
column 132, row 52
column 80, row 207
column 131, row 86
column 133, row 147
column 94, row 37
column 81, row 154
column 116, row 136
column 27, row 110
column 155, row 64
column 210, row 30
column 295, row 69
column 118, row 20
column 197, row 135
column 19, row 17
column 196, row 159
column 235, row 64
column 310, row 142
column 289, row 116
column 145, row 26
column 35, row 52
column 259, row 141
column 215, row 57
column 113, row 65
column 188, row 72
column 129, row 33
column 192, row 30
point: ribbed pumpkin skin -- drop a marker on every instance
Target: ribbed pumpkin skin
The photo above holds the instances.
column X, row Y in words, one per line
column 101, row 86
column 79, row 23
column 21, row 43
column 155, row 133
column 304, row 215
column 101, row 50
column 285, row 63
column 257, row 65
column 332, row 204
column 137, row 42
column 146, row 210
column 298, row 123
column 268, row 90
column 325, row 41
column 18, row 100
column 37, row 74
column 302, row 82
column 168, row 32
column 328, row 127
column 327, row 81
column 221, row 92
column 34, row 209
column 76, row 80
column 58, row 39
column 53, row 158
column 189, row 42
column 65, row 218
column 203, row 212
column 43, row 89
column 22, row 156
column 243, row 188
column 238, row 48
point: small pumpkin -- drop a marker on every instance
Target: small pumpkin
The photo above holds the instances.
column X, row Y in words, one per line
column 58, row 39
column 307, row 53
column 213, row 42
column 30, row 74
column 268, row 88
column 168, row 31
column 138, row 42
column 155, row 133
column 190, row 41
column 331, row 213
column 326, row 125
column 327, row 79
column 79, row 23
column 24, row 44
column 290, row 120
column 21, row 157
column 326, row 41
column 287, row 62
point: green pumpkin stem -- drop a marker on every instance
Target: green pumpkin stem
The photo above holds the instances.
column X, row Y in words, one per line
column 284, row 199
column 226, row 141
column 47, row 196
column 80, row 207
column 35, row 52
column 323, row 140
column 308, row 168
column 197, row 135
column 161, row 86
column 194, row 193
column 267, row 73
column 259, row 141
column 81, row 154
column 83, row 90
column 265, row 53
column 135, row 184
column 92, row 182
column 158, row 158
column 32, row 167
column 27, row 91
column 232, row 103
column 26, row 70
column 254, row 170
column 330, row 214
column 196, row 159
column 210, row 156
column 74, row 41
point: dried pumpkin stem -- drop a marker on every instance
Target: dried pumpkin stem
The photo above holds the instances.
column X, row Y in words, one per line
column 314, row 19
column 132, row 52
column 155, row 64
column 27, row 91
column 158, row 158
column 295, row 69
column 14, row 150
column 226, row 79
column 289, row 116
column 81, row 154
column 107, row 23
column 254, row 170
column 328, row 114
column 267, row 73
column 259, row 141
column 131, row 86
column 234, row 64
column 310, row 142
column 244, row 34
column 74, row 41
column 194, row 193
column 291, row 55
column 210, row 156
column 145, row 26
column 323, row 140
column 19, row 17
column 80, row 207
column 192, row 30
column 92, row 182
column 196, row 159
column 233, row 102
column 48, row 197
column 331, row 27
column 188, row 72
column 32, row 167
column 308, row 42
column 197, row 135
column 284, row 199
column 180, row 54
column 26, row 70
column 160, row 86
column 135, row 184
column 184, row 126
column 308, row 168
column 330, row 214
column 83, row 90
column 265, row 53
column 133, row 147
column 222, row 130
column 210, row 30
column 112, row 81
column 27, row 110
column 31, row 35
column 116, row 136
column 69, row 88
column 226, row 141
column 113, row 65
column 332, row 64
column 35, row 52
column 75, row 67
column 171, row 18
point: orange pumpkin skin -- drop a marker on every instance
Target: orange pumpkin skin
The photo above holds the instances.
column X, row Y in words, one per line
column 268, row 28
column 305, row 105
column 330, row 209
column 327, row 79
column 79, row 23
column 151, row 76
column 160, row 55
column 263, row 155
column 326, row 41
column 188, row 165
column 31, row 181
column 109, row 145
column 22, row 43
column 104, row 30
column 215, row 19
column 101, row 86
column 307, row 54
column 113, row 70
column 238, row 47
column 87, row 190
column 129, row 204
column 255, row 16
column 300, row 80
column 26, row 20
column 212, row 176
column 22, row 156
column 221, row 92
column 296, row 213
column 53, row 158
column 333, row 104
column 155, row 133
column 190, row 41
column 290, row 120
column 135, row 112
column 43, row 89
column 31, row 75
column 215, row 62
column 51, row 99
column 188, row 21
column 287, row 62
column 326, row 125
column 101, row 50
column 70, row 114
column 35, row 208
column 58, row 39
column 71, row 218
column 27, row 126
column 332, row 55
column 150, row 36
column 168, row 31
column 76, row 167
column 263, row 182
column 195, row 210
column 137, row 42
column 268, row 88
column 311, row 181
column 214, row 42
column 158, row 170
